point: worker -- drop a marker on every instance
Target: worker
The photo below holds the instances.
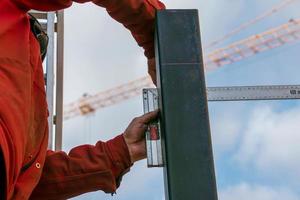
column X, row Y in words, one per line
column 27, row 169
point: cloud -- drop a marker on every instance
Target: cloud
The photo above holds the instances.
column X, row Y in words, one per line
column 245, row 191
column 140, row 183
column 225, row 129
column 141, row 178
column 271, row 141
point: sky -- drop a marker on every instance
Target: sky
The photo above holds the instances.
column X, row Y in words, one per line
column 256, row 144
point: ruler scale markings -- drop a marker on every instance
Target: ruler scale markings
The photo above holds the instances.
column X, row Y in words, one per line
column 148, row 143
column 240, row 93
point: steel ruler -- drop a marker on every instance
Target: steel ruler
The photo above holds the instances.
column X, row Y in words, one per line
column 243, row 93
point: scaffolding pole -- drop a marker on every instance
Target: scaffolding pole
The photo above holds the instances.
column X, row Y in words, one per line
column 59, row 81
column 50, row 74
column 53, row 24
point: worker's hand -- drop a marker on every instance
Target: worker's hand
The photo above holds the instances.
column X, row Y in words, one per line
column 152, row 69
column 134, row 135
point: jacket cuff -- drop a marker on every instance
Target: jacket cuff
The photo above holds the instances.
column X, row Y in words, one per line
column 119, row 153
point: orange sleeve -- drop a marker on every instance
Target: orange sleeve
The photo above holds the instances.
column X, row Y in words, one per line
column 136, row 15
column 86, row 168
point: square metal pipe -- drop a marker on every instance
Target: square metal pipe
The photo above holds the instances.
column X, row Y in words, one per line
column 187, row 149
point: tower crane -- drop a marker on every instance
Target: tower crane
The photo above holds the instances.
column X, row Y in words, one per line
column 273, row 38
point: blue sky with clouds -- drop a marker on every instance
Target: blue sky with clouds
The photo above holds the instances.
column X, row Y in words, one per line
column 256, row 144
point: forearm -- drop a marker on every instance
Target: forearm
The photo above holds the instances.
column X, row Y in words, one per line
column 86, row 168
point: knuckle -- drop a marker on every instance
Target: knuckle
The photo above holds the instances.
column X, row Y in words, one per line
column 135, row 119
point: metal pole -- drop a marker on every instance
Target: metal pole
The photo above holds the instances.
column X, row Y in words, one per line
column 187, row 149
column 59, row 81
column 50, row 74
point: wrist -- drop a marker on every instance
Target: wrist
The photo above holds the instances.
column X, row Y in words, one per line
column 128, row 144
column 136, row 149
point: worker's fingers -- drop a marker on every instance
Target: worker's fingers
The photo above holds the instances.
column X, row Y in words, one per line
column 142, row 126
column 148, row 117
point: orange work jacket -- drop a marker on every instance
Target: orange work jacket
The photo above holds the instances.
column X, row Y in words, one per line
column 32, row 172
